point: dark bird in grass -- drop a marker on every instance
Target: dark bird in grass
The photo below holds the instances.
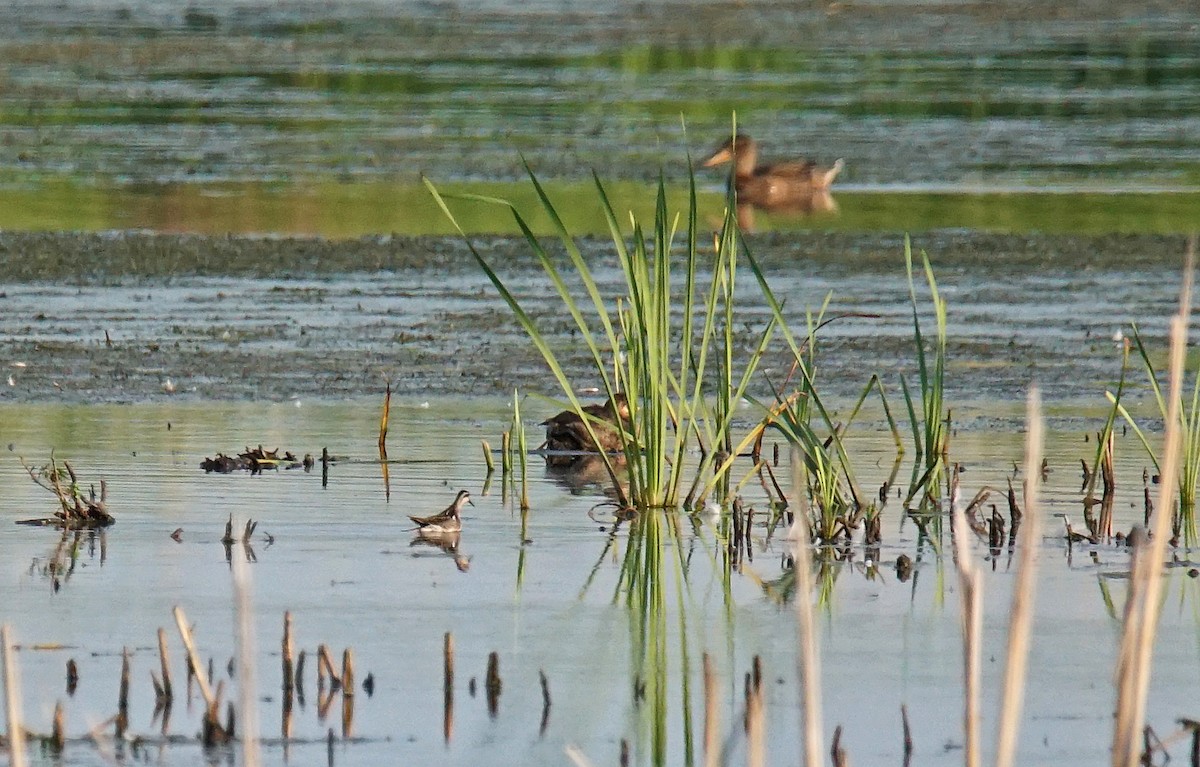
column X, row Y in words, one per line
column 447, row 520
column 778, row 186
column 568, row 432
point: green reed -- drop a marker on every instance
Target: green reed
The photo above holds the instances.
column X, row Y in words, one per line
column 658, row 336
column 931, row 428
column 1189, row 425
column 828, row 474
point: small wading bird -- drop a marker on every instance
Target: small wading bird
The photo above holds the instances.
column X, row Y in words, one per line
column 446, row 521
column 567, row 430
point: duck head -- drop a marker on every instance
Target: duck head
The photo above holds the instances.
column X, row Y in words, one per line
column 740, row 150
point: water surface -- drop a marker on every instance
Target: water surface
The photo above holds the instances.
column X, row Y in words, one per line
column 343, row 562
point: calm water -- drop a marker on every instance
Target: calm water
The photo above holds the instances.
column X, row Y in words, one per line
column 343, row 562
column 319, row 118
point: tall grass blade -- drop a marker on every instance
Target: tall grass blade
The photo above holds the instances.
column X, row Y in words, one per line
column 1021, row 615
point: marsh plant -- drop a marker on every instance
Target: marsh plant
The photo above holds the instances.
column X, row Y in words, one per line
column 665, row 343
column 927, row 413
column 1188, row 422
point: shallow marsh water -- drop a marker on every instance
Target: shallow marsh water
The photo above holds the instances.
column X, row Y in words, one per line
column 1046, row 159
column 343, row 563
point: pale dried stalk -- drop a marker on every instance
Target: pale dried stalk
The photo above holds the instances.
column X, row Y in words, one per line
column 185, row 635
column 576, row 756
column 165, row 663
column 247, row 682
column 1024, row 590
column 970, row 588
column 1145, row 588
column 12, row 702
column 806, row 658
column 756, row 725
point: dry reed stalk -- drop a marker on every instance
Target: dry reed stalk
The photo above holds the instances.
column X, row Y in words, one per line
column 1024, row 590
column 448, row 686
column 383, row 422
column 299, row 685
column 165, row 664
column 185, row 636
column 837, row 754
column 247, row 667
column 348, row 673
column 122, row 720
column 1145, row 587
column 506, row 454
column 289, row 668
column 493, row 684
column 347, row 714
column 58, row 732
column 12, row 701
column 1108, row 472
column 970, row 587
column 545, row 702
column 807, row 657
column 712, row 749
column 487, row 456
column 325, row 667
column 756, row 721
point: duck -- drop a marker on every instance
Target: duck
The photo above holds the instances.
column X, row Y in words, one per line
column 567, row 431
column 780, row 186
column 447, row 520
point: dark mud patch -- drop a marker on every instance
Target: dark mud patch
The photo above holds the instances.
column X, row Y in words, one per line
column 135, row 317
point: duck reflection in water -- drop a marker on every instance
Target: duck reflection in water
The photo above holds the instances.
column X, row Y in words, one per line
column 798, row 188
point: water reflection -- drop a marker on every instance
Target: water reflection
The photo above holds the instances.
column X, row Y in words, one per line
column 584, row 474
column 445, row 542
column 818, row 202
column 60, row 564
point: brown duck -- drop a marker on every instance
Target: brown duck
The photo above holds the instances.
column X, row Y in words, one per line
column 779, row 186
column 567, row 430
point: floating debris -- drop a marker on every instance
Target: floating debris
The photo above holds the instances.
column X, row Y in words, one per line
column 78, row 510
column 256, row 460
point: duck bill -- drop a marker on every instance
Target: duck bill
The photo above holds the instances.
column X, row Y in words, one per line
column 722, row 156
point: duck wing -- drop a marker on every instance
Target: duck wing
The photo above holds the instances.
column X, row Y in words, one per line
column 797, row 168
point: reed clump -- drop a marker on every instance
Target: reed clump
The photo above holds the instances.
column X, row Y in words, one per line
column 658, row 345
